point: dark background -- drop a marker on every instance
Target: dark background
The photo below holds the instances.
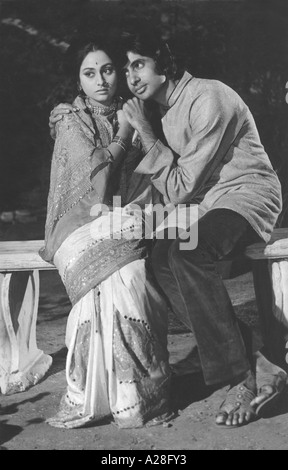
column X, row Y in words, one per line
column 242, row 43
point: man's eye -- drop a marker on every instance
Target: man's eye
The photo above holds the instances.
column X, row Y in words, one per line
column 139, row 65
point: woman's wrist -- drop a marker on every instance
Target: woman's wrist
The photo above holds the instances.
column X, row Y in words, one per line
column 124, row 143
column 118, row 147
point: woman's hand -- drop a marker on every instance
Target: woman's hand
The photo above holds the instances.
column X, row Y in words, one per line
column 57, row 114
column 135, row 112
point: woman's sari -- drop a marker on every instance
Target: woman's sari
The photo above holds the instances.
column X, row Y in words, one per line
column 117, row 362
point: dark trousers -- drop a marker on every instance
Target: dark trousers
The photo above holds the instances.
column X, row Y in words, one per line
column 198, row 295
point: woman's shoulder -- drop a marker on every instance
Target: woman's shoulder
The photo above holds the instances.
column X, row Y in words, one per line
column 68, row 122
column 76, row 118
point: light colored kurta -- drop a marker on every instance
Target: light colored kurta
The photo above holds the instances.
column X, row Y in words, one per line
column 214, row 155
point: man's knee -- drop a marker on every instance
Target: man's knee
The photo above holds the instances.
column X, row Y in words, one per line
column 198, row 256
column 159, row 256
column 175, row 254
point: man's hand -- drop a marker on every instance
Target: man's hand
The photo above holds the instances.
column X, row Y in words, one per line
column 135, row 113
column 125, row 127
column 57, row 114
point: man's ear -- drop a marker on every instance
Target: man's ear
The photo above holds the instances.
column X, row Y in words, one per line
column 163, row 78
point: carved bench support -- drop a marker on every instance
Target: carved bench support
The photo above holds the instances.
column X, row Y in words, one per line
column 22, row 364
column 278, row 271
column 271, row 289
column 270, row 273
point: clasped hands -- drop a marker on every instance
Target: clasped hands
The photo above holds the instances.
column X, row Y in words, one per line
column 136, row 114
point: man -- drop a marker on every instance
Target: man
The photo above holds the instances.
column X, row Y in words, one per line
column 210, row 155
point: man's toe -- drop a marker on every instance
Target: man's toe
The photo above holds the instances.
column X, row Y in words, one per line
column 221, row 417
column 230, row 419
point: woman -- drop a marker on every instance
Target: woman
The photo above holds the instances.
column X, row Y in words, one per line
column 117, row 362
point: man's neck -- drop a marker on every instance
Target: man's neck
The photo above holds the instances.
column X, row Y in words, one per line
column 165, row 93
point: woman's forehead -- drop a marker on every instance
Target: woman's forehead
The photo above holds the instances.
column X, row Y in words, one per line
column 96, row 59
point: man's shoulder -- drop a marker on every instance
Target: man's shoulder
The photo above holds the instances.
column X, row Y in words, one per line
column 200, row 86
column 213, row 93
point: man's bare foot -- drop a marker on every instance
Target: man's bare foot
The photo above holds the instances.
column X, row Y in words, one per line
column 236, row 410
column 271, row 382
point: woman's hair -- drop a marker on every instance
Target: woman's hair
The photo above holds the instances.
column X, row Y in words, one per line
column 82, row 44
column 147, row 42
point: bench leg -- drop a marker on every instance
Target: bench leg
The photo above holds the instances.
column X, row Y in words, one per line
column 279, row 276
column 22, row 364
column 271, row 289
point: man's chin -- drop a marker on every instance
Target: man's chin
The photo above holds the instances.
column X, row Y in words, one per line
column 143, row 97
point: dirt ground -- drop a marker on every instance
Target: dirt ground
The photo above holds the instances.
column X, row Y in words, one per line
column 22, row 416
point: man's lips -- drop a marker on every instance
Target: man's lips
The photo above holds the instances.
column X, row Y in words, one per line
column 140, row 89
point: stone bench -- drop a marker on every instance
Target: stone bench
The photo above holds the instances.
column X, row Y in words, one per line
column 22, row 364
column 270, row 273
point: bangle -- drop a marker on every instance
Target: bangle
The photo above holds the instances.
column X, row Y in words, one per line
column 111, row 158
column 121, row 142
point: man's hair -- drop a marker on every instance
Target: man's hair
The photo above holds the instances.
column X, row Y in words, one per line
column 147, row 42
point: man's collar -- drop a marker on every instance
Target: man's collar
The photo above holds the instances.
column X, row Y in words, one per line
column 179, row 89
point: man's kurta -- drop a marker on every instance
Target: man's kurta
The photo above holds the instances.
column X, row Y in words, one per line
column 214, row 156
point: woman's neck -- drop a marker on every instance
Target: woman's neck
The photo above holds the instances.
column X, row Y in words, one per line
column 97, row 108
column 95, row 103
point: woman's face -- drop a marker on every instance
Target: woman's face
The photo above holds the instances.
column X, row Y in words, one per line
column 98, row 78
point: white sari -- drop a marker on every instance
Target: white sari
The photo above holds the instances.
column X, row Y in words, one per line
column 117, row 363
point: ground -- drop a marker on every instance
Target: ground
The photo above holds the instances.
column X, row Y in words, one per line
column 22, row 420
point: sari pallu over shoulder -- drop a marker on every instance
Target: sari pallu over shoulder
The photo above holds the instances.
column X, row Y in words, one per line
column 79, row 154
column 72, row 193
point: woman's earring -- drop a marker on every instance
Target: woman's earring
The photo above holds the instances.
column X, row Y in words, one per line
column 80, row 91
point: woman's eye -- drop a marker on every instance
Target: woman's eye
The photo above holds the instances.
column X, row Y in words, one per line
column 89, row 74
column 109, row 71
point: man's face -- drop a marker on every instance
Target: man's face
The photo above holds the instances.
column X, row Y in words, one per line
column 142, row 77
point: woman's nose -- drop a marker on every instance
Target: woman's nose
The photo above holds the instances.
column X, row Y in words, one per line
column 100, row 79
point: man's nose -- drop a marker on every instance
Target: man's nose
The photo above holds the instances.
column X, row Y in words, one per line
column 134, row 78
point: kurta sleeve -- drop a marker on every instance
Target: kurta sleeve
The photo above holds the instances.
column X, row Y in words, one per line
column 212, row 125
